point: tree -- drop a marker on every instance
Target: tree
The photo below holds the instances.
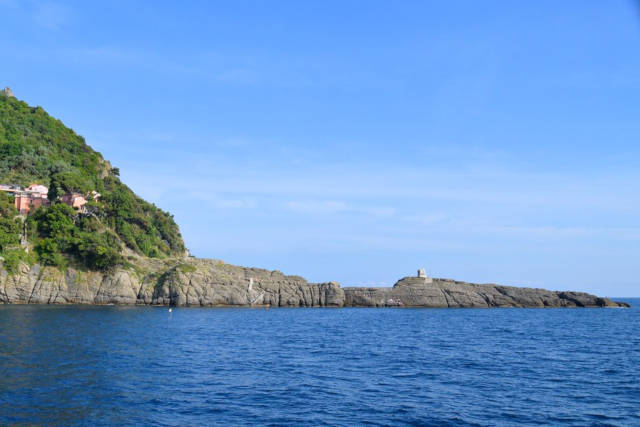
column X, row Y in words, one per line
column 9, row 232
column 36, row 148
column 67, row 182
column 99, row 251
column 10, row 226
column 49, row 253
column 55, row 222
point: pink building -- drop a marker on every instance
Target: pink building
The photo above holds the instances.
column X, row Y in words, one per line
column 37, row 188
column 26, row 202
column 75, row 200
column 22, row 203
column 36, row 195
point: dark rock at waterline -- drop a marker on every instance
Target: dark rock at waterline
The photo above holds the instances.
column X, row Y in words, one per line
column 445, row 293
column 210, row 283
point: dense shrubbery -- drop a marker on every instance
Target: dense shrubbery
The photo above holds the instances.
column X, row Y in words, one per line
column 10, row 229
column 60, row 231
column 35, row 147
column 13, row 258
column 10, row 226
column 142, row 226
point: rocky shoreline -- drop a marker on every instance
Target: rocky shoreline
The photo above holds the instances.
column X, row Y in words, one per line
column 211, row 283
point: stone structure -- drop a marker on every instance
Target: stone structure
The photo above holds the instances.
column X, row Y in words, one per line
column 7, row 91
column 422, row 274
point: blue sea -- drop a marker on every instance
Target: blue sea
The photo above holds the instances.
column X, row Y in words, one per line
column 78, row 365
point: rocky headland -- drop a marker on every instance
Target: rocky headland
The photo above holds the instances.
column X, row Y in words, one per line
column 103, row 244
column 212, row 283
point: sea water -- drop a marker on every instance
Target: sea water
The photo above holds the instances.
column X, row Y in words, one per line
column 80, row 365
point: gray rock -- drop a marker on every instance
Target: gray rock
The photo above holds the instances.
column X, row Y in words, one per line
column 210, row 283
column 446, row 293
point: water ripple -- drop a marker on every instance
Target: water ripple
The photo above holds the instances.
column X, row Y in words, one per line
column 141, row 365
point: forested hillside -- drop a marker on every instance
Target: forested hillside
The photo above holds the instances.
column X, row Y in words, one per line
column 36, row 148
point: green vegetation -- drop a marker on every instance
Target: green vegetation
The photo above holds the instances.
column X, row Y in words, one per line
column 36, row 148
column 10, row 230
column 143, row 227
column 186, row 268
column 10, row 226
column 60, row 231
column 13, row 258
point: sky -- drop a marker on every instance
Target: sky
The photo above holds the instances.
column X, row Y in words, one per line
column 357, row 141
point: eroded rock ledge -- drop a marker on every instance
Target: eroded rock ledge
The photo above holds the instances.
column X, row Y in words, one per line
column 210, row 283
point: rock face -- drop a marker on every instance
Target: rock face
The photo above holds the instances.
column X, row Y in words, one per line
column 189, row 283
column 445, row 293
column 210, row 283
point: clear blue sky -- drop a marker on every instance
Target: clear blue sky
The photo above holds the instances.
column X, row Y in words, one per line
column 358, row 140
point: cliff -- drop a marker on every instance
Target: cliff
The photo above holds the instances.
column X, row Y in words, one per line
column 210, row 283
column 187, row 282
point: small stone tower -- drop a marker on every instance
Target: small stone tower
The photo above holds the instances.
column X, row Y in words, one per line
column 422, row 274
column 7, row 91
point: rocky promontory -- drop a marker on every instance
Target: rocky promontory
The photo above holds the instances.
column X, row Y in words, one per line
column 103, row 244
column 447, row 293
column 211, row 283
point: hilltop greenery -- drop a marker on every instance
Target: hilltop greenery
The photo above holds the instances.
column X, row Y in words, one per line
column 36, row 148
